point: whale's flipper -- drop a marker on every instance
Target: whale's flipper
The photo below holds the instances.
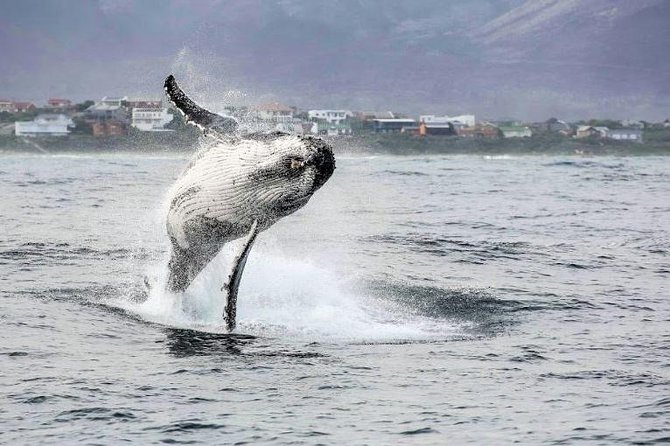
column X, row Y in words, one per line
column 195, row 114
column 233, row 283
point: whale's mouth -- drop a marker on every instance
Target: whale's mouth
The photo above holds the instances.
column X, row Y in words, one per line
column 289, row 206
column 324, row 162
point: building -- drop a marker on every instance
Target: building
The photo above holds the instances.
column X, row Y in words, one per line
column 273, row 112
column 293, row 126
column 108, row 108
column 557, row 126
column 334, row 129
column 59, row 103
column 370, row 115
column 114, row 101
column 143, row 103
column 424, row 129
column 7, row 106
column 481, row 130
column 392, row 125
column 108, row 127
column 632, row 124
column 44, row 125
column 310, row 127
column 589, row 131
column 15, row 107
column 516, row 131
column 21, row 107
column 330, row 116
column 151, row 119
column 461, row 120
column 628, row 134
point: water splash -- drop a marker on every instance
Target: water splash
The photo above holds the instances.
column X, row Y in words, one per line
column 286, row 297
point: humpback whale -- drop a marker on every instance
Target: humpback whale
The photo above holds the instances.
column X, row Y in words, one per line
column 238, row 186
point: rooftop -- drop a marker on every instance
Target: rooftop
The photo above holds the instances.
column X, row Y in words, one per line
column 273, row 106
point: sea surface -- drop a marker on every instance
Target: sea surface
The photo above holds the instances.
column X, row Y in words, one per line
column 414, row 300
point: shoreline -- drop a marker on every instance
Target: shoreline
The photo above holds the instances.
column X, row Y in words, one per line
column 366, row 144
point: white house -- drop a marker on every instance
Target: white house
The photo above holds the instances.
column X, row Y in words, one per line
column 44, row 125
column 588, row 131
column 633, row 135
column 108, row 108
column 114, row 101
column 516, row 131
column 273, row 112
column 294, row 126
column 464, row 120
column 330, row 116
column 394, row 125
column 151, row 119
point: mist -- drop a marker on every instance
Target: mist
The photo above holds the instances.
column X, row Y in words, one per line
column 528, row 60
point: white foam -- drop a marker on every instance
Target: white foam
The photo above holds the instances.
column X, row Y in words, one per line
column 284, row 297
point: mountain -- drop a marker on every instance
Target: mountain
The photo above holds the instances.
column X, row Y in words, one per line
column 529, row 59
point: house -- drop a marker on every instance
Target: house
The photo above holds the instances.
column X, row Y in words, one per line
column 461, row 120
column 108, row 127
column 392, row 125
column 151, row 119
column 370, row 115
column 59, row 103
column 21, row 107
column 425, row 129
column 627, row 134
column 310, row 127
column 666, row 123
column 116, row 101
column 44, row 125
column 143, row 103
column 481, row 130
column 557, row 126
column 293, row 126
column 108, row 108
column 334, row 129
column 330, row 116
column 588, row 131
column 7, row 106
column 516, row 131
column 632, row 124
column 273, row 112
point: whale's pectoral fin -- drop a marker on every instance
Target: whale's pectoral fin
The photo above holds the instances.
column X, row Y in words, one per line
column 195, row 114
column 232, row 285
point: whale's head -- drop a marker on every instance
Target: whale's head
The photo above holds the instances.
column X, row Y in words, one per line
column 263, row 177
column 290, row 169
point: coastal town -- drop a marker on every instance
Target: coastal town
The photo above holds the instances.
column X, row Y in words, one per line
column 122, row 116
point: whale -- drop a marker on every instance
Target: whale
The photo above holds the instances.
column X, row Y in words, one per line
column 236, row 186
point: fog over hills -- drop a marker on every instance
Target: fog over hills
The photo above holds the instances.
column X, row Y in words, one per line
column 525, row 59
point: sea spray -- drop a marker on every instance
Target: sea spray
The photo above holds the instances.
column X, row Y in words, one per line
column 282, row 296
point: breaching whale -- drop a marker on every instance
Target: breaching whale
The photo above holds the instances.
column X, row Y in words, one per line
column 238, row 186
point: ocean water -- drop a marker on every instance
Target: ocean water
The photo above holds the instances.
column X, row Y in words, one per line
column 414, row 300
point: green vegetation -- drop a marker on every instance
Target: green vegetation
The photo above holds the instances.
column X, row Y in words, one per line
column 657, row 142
column 136, row 141
column 23, row 116
column 543, row 143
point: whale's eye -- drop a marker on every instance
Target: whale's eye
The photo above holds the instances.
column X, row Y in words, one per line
column 296, row 163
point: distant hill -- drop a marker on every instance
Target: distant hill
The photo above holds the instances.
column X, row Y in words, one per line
column 528, row 59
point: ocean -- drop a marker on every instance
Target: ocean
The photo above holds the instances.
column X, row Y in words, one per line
column 415, row 300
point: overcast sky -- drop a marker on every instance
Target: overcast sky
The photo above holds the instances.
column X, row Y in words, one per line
column 495, row 58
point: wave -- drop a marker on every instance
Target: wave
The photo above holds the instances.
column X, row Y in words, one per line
column 285, row 297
